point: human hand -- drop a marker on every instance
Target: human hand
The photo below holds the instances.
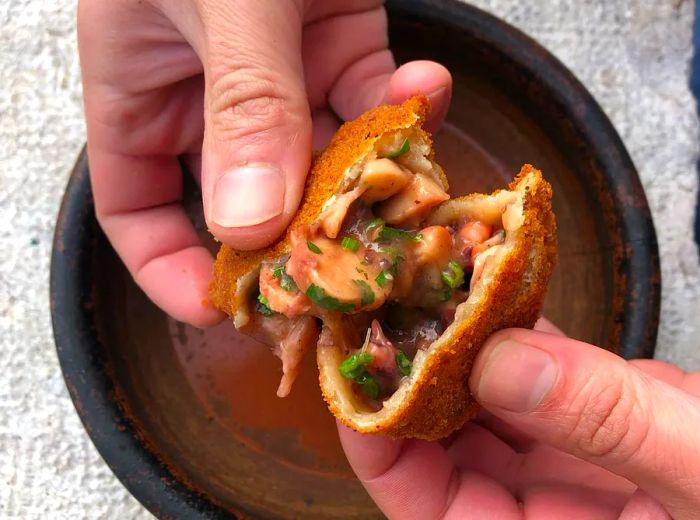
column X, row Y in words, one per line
column 569, row 431
column 233, row 85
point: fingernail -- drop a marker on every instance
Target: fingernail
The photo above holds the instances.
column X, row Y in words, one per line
column 516, row 377
column 248, row 195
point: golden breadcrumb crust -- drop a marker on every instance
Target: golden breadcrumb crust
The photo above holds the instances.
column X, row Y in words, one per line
column 349, row 145
column 440, row 401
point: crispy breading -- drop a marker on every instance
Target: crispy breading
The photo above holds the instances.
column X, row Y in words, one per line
column 437, row 400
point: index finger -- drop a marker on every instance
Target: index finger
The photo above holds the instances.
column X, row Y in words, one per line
column 417, row 479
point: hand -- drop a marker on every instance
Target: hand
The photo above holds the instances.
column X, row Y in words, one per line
column 570, row 431
column 238, row 86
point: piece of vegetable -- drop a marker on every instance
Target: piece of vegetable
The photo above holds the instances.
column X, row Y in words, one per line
column 383, row 278
column 367, row 297
column 355, row 364
column 389, row 233
column 453, row 276
column 319, row 297
column 374, row 223
column 404, row 148
column 313, row 247
column 350, row 244
column 368, row 385
column 286, row 282
column 263, row 306
column 403, row 363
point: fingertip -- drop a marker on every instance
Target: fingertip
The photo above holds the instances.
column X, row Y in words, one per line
column 429, row 78
column 179, row 284
column 369, row 455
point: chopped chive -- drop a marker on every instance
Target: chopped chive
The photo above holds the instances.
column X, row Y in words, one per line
column 388, row 233
column 319, row 297
column 445, row 294
column 403, row 363
column 368, row 385
column 277, row 271
column 353, row 366
column 453, row 276
column 263, row 306
column 404, row 148
column 287, row 282
column 313, row 247
column 367, row 293
column 374, row 223
column 383, row 278
column 350, row 244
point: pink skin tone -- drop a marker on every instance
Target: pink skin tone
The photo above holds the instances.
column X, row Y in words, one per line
column 242, row 90
column 238, row 97
column 596, row 437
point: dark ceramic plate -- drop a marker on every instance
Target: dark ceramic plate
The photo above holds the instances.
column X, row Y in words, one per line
column 189, row 421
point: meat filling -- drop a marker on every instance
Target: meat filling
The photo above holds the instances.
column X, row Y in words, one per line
column 369, row 264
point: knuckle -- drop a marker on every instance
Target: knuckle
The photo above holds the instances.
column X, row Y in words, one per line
column 604, row 424
column 247, row 102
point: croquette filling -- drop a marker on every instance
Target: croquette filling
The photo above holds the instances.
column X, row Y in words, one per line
column 385, row 283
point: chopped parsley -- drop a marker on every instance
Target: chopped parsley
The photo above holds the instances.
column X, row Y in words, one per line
column 317, row 295
column 263, row 306
column 404, row 148
column 350, row 244
column 367, row 293
column 453, row 276
column 313, row 247
column 403, row 363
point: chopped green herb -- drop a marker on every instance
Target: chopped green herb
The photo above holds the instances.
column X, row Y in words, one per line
column 445, row 293
column 396, row 262
column 287, row 282
column 403, row 363
column 383, row 278
column 375, row 222
column 388, row 233
column 313, row 247
column 404, row 148
column 453, row 276
column 367, row 293
column 350, row 244
column 320, row 298
column 368, row 384
column 354, row 365
column 277, row 271
column 263, row 306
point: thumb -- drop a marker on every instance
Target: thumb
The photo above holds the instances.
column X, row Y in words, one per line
column 592, row 404
column 257, row 139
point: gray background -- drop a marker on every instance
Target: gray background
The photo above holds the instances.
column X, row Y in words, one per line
column 633, row 55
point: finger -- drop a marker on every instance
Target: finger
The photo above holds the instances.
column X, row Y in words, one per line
column 641, row 506
column 478, row 449
column 429, row 78
column 257, row 139
column 565, row 501
column 594, row 405
column 666, row 372
column 137, row 202
column 544, row 325
column 416, row 479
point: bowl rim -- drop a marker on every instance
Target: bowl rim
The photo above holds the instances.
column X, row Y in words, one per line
column 87, row 376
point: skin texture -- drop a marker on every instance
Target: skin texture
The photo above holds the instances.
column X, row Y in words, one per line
column 222, row 84
column 157, row 73
column 609, row 439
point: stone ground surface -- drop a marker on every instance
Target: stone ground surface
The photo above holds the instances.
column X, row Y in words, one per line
column 634, row 57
